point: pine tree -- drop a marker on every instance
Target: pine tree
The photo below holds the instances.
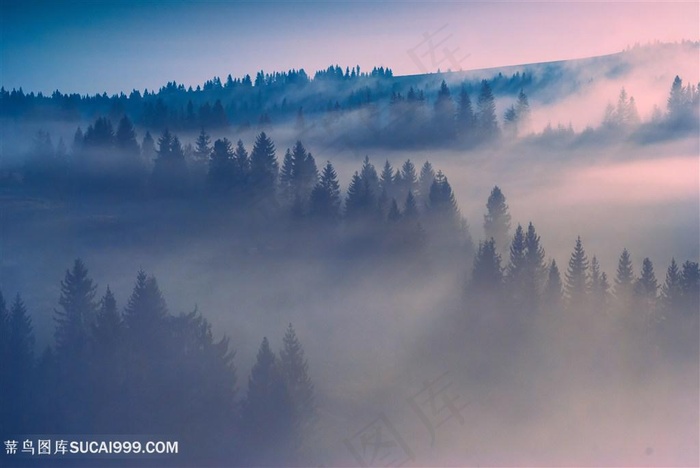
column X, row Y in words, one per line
column 535, row 267
column 487, row 123
column 552, row 295
column 304, row 177
column 386, row 180
column 410, row 210
column 444, row 113
column 267, row 414
column 325, row 197
column 646, row 286
column 242, row 169
column 202, row 149
column 523, row 113
column 286, row 174
column 220, row 177
column 77, row 313
column 170, row 169
column 125, row 138
column 516, row 267
column 487, row 274
column 20, row 368
column 425, row 181
column 409, row 180
column 443, row 206
column 624, row 280
column 577, row 276
column 672, row 289
column 690, row 287
column 295, row 372
column 466, row 121
column 497, row 219
column 598, row 287
column 263, row 169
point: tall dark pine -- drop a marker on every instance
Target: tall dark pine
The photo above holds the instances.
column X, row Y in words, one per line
column 125, row 139
column 497, row 219
column 220, row 177
column 690, row 286
column 324, row 203
column 170, row 169
column 487, row 274
column 304, row 177
column 295, row 372
column 267, row 414
column 76, row 315
column 487, row 122
column 552, row 295
column 263, row 169
column 20, row 367
column 646, row 287
column 242, row 169
column 444, row 114
column 425, row 181
column 466, row 120
column 672, row 289
column 598, row 287
column 624, row 280
column 577, row 277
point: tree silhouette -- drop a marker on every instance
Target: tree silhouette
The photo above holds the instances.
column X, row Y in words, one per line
column 497, row 219
column 263, row 169
column 577, row 276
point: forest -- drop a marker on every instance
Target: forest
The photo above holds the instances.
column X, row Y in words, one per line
column 304, row 291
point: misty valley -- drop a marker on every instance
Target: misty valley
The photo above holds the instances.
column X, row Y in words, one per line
column 496, row 267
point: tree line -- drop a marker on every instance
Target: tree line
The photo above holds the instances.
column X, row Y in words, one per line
column 143, row 370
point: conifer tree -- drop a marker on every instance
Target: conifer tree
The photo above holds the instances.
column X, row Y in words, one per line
column 220, row 177
column 325, row 197
column 425, row 181
column 20, row 368
column 125, row 138
column 672, row 289
column 624, row 280
column 295, row 372
column 267, row 414
column 552, row 296
column 497, row 219
column 487, row 274
column 263, row 169
column 487, row 123
column 577, row 276
column 466, row 121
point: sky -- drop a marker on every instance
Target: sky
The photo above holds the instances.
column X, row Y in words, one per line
column 95, row 46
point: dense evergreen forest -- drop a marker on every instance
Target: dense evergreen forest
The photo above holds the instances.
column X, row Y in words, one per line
column 132, row 365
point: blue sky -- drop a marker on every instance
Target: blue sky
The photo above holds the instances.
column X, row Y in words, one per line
column 94, row 46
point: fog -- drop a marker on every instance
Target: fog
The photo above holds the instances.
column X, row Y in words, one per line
column 572, row 383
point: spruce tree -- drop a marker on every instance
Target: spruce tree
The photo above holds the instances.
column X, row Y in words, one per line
column 263, row 169
column 125, row 138
column 325, row 197
column 497, row 219
column 425, row 181
column 577, row 276
column 76, row 315
column 690, row 287
column 466, row 120
column 552, row 295
column 487, row 122
column 672, row 289
column 20, row 368
column 295, row 372
column 487, row 274
column 267, row 413
column 624, row 280
column 220, row 177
